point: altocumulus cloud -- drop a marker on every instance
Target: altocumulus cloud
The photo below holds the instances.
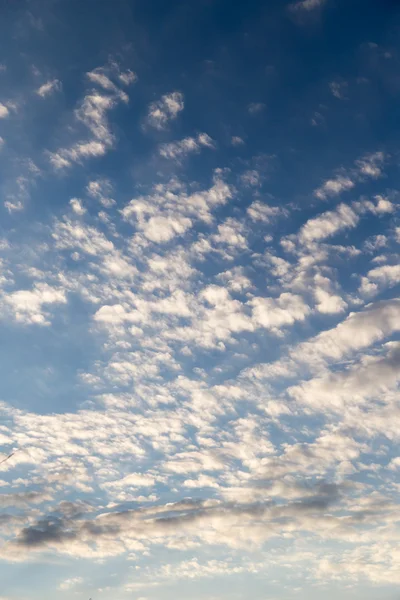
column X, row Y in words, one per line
column 199, row 307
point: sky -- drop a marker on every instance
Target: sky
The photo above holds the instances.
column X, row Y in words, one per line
column 200, row 318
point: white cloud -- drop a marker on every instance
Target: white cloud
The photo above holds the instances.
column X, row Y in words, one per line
column 29, row 306
column 179, row 150
column 307, row 5
column 49, row 88
column 338, row 89
column 165, row 110
column 255, row 107
column 359, row 330
column 235, row 279
column 4, row 112
column 328, row 224
column 337, row 391
column 128, row 77
column 274, row 313
column 101, row 189
column 237, row 141
column 170, row 211
column 368, row 166
column 92, row 112
column 232, row 233
column 327, row 302
column 135, row 480
column 371, row 164
column 258, row 211
column 69, row 584
column 334, row 187
column 77, row 206
column 380, row 278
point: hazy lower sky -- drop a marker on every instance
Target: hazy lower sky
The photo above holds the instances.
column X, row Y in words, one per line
column 200, row 319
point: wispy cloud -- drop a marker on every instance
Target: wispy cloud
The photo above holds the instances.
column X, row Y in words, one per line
column 179, row 150
column 92, row 112
column 166, row 109
column 307, row 5
column 4, row 112
column 49, row 88
column 370, row 165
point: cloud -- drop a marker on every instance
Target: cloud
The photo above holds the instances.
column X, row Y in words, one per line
column 275, row 313
column 170, row 210
column 338, row 391
column 327, row 302
column 359, row 330
column 92, row 113
column 165, row 110
column 29, row 306
column 328, row 224
column 70, row 583
column 229, row 388
column 19, row 188
column 380, row 278
column 369, row 165
column 237, row 141
column 101, row 189
column 77, row 206
column 181, row 149
column 258, row 211
column 307, row 5
column 338, row 89
column 49, row 88
column 334, row 187
column 256, row 107
column 4, row 112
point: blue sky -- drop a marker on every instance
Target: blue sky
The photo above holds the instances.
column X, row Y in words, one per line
column 199, row 300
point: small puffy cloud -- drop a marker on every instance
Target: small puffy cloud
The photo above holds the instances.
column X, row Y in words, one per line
column 258, row 211
column 93, row 113
column 231, row 233
column 109, row 76
column 250, row 178
column 380, row 278
column 77, row 206
column 170, row 211
column 101, row 190
column 338, row 89
column 4, row 112
column 135, row 480
column 327, row 301
column 237, row 141
column 255, row 108
column 19, row 192
column 235, row 280
column 334, row 187
column 328, row 224
column 29, row 306
column 381, row 206
column 49, row 88
column 127, row 77
column 307, row 5
column 69, row 584
column 165, row 110
column 274, row 313
column 181, row 149
column 368, row 166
